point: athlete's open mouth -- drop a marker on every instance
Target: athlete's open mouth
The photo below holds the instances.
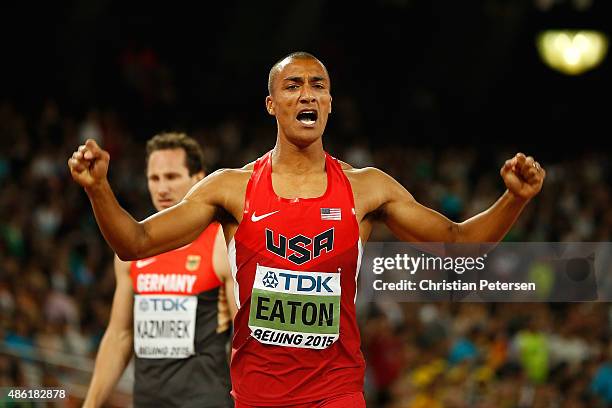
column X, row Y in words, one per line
column 308, row 116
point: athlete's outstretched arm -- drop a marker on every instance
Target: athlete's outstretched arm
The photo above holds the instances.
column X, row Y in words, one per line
column 411, row 221
column 166, row 230
column 117, row 343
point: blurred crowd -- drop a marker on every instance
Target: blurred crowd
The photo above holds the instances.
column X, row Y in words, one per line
column 56, row 278
column 464, row 355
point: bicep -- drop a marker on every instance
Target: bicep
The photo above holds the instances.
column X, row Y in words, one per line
column 410, row 220
column 181, row 224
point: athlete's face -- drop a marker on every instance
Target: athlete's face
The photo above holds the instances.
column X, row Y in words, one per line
column 300, row 100
column 168, row 177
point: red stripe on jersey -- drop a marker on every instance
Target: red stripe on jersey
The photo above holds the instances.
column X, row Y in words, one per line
column 264, row 374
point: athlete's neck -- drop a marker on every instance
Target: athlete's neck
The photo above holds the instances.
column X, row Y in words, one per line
column 292, row 159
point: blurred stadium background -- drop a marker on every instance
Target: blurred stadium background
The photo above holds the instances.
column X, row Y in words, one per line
column 436, row 93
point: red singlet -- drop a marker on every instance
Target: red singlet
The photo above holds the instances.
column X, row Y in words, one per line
column 295, row 264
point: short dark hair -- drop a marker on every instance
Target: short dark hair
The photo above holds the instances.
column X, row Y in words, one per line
column 194, row 157
column 293, row 55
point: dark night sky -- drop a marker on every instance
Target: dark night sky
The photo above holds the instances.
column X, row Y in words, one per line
column 418, row 72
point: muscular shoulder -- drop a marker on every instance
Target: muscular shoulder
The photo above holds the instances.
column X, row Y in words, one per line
column 372, row 188
column 233, row 175
column 362, row 174
column 233, row 178
column 249, row 167
column 224, row 189
column 217, row 186
column 344, row 165
column 368, row 176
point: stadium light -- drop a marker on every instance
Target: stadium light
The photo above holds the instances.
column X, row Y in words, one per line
column 572, row 52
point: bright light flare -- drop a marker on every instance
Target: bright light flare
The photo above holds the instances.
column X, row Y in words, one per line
column 572, row 52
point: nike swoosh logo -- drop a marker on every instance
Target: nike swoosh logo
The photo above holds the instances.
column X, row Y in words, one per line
column 256, row 218
column 144, row 262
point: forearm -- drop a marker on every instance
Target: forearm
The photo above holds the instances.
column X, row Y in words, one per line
column 114, row 353
column 493, row 224
column 120, row 230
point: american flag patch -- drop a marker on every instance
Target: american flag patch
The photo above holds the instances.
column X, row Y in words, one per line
column 331, row 214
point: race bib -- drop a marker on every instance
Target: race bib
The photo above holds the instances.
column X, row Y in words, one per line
column 164, row 326
column 295, row 309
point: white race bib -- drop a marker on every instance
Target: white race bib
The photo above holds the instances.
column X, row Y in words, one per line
column 164, row 325
column 295, row 308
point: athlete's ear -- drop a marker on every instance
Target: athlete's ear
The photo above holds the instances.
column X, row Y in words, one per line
column 330, row 103
column 269, row 105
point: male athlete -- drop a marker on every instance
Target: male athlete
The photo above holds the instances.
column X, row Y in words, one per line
column 295, row 221
column 171, row 308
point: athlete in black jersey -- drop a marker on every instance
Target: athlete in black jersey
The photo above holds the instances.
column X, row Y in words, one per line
column 173, row 310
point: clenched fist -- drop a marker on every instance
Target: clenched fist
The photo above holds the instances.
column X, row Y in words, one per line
column 523, row 176
column 89, row 164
